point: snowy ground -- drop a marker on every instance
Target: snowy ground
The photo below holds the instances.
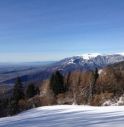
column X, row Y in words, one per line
column 67, row 116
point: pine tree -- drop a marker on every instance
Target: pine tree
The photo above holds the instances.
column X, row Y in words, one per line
column 18, row 94
column 13, row 107
column 57, row 83
column 31, row 91
column 18, row 90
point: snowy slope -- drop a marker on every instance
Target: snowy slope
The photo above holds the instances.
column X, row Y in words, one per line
column 67, row 116
column 87, row 62
column 90, row 55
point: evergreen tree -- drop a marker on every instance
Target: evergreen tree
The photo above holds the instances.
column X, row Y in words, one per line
column 18, row 90
column 31, row 91
column 18, row 94
column 3, row 107
column 13, row 107
column 57, row 83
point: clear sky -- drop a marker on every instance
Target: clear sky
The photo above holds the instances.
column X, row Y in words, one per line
column 43, row 30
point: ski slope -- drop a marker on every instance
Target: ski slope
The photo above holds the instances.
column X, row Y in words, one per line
column 67, row 116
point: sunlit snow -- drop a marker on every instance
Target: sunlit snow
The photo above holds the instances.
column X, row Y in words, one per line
column 90, row 55
column 68, row 116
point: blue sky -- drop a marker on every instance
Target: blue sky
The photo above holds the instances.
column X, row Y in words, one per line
column 43, row 30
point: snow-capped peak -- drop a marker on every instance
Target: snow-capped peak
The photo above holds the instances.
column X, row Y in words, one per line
column 89, row 61
column 122, row 53
column 90, row 55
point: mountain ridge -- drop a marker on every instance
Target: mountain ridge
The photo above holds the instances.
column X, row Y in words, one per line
column 89, row 62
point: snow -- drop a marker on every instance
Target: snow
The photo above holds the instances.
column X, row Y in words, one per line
column 122, row 53
column 90, row 55
column 100, row 71
column 71, row 61
column 115, row 102
column 67, row 116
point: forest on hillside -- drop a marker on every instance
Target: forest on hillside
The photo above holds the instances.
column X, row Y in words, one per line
column 93, row 87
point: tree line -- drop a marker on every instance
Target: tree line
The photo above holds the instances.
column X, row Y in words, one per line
column 12, row 105
column 76, row 87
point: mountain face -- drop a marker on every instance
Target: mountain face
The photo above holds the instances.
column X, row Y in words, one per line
column 84, row 62
column 87, row 62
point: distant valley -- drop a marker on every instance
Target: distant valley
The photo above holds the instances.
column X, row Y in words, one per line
column 10, row 71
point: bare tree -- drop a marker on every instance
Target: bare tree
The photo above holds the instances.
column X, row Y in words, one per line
column 92, row 85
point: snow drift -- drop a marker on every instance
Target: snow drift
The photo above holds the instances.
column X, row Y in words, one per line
column 67, row 116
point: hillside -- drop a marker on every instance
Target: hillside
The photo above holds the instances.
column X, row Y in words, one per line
column 78, row 84
column 67, row 116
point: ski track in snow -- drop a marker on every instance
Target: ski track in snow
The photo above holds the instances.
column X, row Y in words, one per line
column 67, row 116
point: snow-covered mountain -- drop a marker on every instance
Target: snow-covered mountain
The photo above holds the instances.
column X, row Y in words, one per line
column 88, row 61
